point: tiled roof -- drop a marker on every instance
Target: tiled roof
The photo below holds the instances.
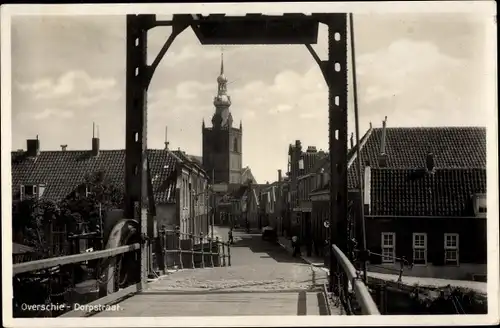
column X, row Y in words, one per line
column 246, row 174
column 188, row 159
column 453, row 147
column 63, row 171
column 414, row 192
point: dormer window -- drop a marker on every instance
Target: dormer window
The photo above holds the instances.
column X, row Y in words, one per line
column 480, row 205
column 28, row 191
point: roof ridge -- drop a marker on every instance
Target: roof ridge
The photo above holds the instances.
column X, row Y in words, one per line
column 362, row 143
column 429, row 127
column 416, row 168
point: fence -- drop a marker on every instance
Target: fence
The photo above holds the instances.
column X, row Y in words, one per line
column 178, row 250
column 88, row 278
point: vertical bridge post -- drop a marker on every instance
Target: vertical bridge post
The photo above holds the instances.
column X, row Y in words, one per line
column 136, row 184
column 335, row 72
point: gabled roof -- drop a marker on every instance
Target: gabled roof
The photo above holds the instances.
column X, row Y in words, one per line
column 453, row 147
column 246, row 175
column 63, row 171
column 414, row 192
column 189, row 159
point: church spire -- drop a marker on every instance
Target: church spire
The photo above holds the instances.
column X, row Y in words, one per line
column 222, row 101
column 222, row 63
column 222, row 80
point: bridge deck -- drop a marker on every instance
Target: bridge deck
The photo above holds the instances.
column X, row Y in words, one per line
column 263, row 280
column 168, row 304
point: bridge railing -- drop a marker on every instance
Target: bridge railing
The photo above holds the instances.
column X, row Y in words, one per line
column 179, row 250
column 59, row 283
column 349, row 287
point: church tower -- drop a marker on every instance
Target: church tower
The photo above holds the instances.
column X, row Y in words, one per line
column 222, row 143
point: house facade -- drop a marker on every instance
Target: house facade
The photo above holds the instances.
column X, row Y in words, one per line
column 54, row 175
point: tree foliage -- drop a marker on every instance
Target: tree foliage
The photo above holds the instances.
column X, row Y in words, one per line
column 82, row 210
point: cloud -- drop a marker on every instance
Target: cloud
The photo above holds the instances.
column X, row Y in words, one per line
column 249, row 114
column 402, row 68
column 70, row 83
column 281, row 108
column 52, row 113
column 62, row 97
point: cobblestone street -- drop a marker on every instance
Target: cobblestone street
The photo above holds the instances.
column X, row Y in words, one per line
column 264, row 279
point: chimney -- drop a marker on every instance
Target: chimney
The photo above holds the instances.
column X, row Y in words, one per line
column 63, row 147
column 298, row 146
column 382, row 158
column 352, row 140
column 33, row 147
column 429, row 162
column 95, row 140
column 166, row 136
column 279, row 176
column 367, row 191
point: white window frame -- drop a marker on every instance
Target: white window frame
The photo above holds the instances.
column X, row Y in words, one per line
column 23, row 191
column 455, row 247
column 419, row 247
column 384, row 246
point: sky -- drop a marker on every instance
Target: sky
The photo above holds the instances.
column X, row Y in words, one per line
column 69, row 71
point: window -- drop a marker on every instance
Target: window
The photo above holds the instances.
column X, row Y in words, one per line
column 28, row 191
column 388, row 247
column 420, row 248
column 451, row 248
column 480, row 205
column 301, row 164
column 235, row 144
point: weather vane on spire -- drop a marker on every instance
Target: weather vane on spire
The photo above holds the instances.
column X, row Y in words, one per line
column 221, row 61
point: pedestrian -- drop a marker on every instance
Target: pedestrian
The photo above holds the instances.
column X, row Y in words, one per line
column 295, row 246
column 230, row 235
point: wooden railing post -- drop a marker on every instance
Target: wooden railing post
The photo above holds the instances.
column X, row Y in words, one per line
column 162, row 254
column 179, row 246
column 202, row 250
column 211, row 251
column 223, row 254
column 191, row 237
column 217, row 243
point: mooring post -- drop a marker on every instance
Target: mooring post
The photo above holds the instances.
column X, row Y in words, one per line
column 191, row 237
column 179, row 245
column 217, row 243
column 161, row 244
column 210, row 246
column 223, row 254
column 202, row 246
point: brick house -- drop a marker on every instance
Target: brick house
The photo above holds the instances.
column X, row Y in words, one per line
column 435, row 219
column 424, row 199
column 54, row 175
column 300, row 167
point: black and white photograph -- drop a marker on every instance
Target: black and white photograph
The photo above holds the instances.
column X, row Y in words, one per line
column 258, row 164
